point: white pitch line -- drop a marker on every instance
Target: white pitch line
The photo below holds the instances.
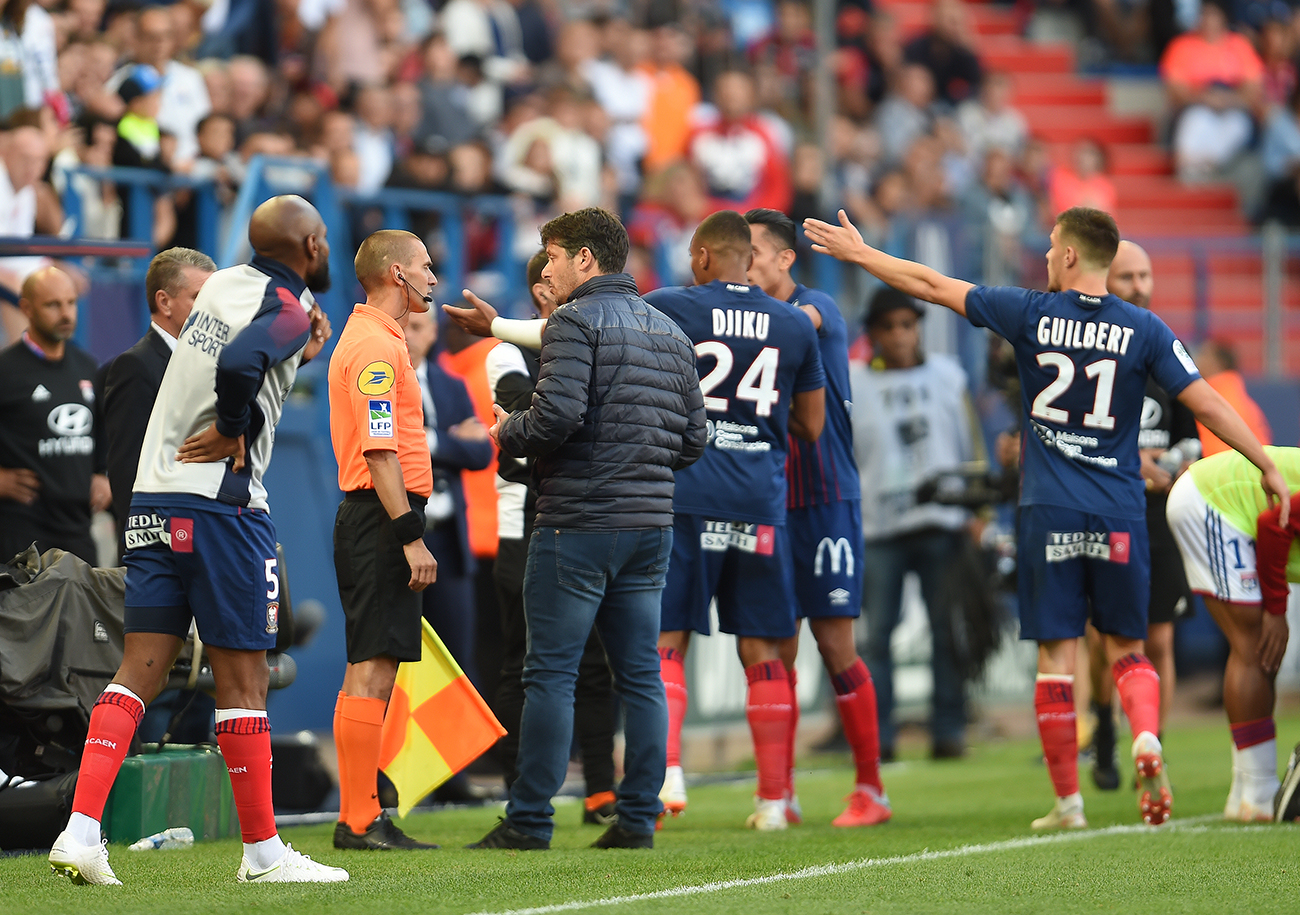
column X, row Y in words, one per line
column 1192, row 824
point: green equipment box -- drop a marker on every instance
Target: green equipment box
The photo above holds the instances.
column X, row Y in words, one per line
column 184, row 785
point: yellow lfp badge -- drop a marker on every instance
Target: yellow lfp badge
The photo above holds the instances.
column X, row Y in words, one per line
column 376, row 378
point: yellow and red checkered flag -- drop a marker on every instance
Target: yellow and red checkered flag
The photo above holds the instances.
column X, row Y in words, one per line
column 436, row 724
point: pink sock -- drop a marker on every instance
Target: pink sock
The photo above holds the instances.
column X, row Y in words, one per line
column 673, row 670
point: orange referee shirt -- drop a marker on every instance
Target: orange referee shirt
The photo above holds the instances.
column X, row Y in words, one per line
column 375, row 403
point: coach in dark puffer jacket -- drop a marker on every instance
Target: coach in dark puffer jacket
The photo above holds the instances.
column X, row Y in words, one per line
column 616, row 410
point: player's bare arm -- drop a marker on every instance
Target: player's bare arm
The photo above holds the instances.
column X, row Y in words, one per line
column 1217, row 415
column 386, row 474
column 210, row 446
column 844, row 242
column 482, row 320
column 808, row 414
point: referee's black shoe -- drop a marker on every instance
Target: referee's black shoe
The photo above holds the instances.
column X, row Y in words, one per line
column 381, row 835
column 506, row 836
column 618, row 837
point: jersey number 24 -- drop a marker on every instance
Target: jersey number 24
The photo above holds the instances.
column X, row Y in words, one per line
column 757, row 385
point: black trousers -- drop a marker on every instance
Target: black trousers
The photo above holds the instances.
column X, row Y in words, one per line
column 593, row 698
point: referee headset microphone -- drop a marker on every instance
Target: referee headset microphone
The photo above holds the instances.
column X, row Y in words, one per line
column 426, row 298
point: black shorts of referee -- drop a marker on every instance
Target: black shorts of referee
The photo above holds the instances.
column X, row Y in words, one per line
column 381, row 611
column 1171, row 596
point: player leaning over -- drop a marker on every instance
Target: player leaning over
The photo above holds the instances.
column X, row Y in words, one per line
column 1083, row 358
column 200, row 542
column 1239, row 554
column 824, row 520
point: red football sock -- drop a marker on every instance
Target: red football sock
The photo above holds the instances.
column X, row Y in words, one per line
column 768, row 709
column 673, row 670
column 113, row 721
column 360, row 729
column 855, row 697
column 1138, row 686
column 1054, row 702
column 793, row 679
column 339, row 751
column 1251, row 733
column 244, row 736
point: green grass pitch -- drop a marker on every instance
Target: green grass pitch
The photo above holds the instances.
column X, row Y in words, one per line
column 960, row 842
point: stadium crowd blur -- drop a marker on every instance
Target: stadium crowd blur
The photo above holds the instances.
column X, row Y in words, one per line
column 661, row 110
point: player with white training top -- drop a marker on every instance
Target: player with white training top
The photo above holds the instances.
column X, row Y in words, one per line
column 1083, row 357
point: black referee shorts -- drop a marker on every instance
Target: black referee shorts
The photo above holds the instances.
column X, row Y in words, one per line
column 382, row 613
column 1171, row 597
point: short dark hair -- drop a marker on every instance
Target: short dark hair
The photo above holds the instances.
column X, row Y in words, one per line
column 1093, row 233
column 598, row 230
column 725, row 231
column 168, row 268
column 536, row 264
column 779, row 225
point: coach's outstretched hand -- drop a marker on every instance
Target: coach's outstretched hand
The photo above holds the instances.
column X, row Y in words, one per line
column 424, row 568
column 1273, row 636
column 210, row 446
column 842, row 242
column 476, row 320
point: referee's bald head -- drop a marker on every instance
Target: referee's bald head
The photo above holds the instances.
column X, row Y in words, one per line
column 379, row 252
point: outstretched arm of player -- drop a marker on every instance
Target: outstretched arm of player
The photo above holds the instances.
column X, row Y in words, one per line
column 808, row 414
column 844, row 242
column 1220, row 418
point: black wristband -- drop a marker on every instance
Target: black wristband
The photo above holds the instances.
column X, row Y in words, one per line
column 408, row 528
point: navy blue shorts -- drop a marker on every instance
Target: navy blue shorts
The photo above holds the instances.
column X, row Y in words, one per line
column 826, row 551
column 745, row 566
column 1075, row 566
column 218, row 569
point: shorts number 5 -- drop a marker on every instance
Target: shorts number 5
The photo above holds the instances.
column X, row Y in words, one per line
column 273, row 580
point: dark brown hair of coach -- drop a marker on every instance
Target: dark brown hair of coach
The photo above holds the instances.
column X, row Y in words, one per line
column 598, row 230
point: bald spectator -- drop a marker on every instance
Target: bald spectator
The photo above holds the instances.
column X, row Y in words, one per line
column 185, row 99
column 50, row 481
column 944, row 52
column 738, row 152
column 250, row 87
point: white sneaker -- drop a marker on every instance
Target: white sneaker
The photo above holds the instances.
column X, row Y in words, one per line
column 82, row 864
column 294, row 867
column 768, row 815
column 1066, row 813
column 1232, row 808
column 793, row 812
column 673, row 793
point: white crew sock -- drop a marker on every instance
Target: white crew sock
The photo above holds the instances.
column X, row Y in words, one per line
column 83, row 829
column 265, row 853
column 1259, row 773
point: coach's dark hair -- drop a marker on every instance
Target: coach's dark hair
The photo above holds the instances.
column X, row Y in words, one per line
column 1092, row 233
column 725, row 232
column 593, row 228
column 167, row 269
column 779, row 225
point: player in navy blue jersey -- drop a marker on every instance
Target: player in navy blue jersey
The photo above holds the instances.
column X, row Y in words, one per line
column 824, row 522
column 761, row 376
column 1083, row 356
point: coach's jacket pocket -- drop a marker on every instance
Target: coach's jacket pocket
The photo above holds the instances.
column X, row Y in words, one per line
column 345, row 538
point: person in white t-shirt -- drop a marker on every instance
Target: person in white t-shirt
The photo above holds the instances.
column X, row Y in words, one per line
column 911, row 420
column 24, row 156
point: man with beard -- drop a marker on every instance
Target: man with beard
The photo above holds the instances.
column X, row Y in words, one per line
column 50, row 480
column 1083, row 356
column 200, row 542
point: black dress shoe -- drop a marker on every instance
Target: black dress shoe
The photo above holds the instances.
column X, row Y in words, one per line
column 618, row 837
column 506, row 836
column 948, row 749
column 381, row 835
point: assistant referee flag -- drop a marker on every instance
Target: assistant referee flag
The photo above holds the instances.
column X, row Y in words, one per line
column 436, row 724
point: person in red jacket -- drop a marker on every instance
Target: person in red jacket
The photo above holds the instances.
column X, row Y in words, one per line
column 740, row 153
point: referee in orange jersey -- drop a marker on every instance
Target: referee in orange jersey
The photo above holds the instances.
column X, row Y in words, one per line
column 377, row 425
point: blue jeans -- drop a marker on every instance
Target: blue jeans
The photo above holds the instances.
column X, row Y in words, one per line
column 930, row 555
column 574, row 578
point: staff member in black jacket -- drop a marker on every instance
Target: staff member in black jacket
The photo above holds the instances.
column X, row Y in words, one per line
column 51, row 481
column 128, row 385
column 616, row 410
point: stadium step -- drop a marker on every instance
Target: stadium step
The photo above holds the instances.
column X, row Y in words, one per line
column 1057, row 89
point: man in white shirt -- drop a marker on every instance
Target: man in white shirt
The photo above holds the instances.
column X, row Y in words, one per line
column 911, row 420
column 24, row 156
column 185, row 99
